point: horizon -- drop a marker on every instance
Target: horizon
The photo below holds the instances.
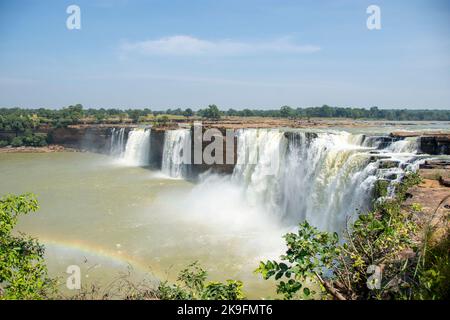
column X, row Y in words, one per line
column 240, row 54
column 224, row 109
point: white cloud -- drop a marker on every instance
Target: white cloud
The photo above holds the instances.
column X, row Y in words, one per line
column 183, row 45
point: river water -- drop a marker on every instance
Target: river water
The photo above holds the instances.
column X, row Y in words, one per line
column 108, row 218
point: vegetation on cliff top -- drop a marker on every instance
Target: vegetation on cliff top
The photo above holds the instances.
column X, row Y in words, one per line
column 18, row 119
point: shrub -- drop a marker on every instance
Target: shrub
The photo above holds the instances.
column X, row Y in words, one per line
column 35, row 140
column 17, row 142
column 23, row 273
column 191, row 286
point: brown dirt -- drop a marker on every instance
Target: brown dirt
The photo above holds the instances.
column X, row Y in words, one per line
column 434, row 201
column 47, row 149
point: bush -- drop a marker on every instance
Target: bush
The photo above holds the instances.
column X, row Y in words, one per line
column 3, row 143
column 31, row 140
column 35, row 140
column 23, row 273
column 17, row 142
column 191, row 286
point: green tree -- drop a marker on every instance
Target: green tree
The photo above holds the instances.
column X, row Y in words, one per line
column 287, row 112
column 212, row 112
column 134, row 115
column 188, row 112
column 23, row 273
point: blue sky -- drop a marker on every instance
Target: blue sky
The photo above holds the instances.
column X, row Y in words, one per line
column 234, row 53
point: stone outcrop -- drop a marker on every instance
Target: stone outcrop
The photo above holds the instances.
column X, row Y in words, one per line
column 96, row 139
column 439, row 144
column 429, row 142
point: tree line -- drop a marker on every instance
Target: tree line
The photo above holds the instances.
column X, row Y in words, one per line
column 18, row 119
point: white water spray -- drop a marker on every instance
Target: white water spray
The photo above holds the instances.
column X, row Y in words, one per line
column 137, row 149
column 176, row 149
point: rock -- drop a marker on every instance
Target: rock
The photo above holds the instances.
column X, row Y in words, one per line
column 429, row 142
column 375, row 158
column 436, row 164
column 439, row 144
column 405, row 134
column 444, row 181
column 381, row 142
column 391, row 176
column 388, row 164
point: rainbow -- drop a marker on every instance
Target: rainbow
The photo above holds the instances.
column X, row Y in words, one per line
column 116, row 256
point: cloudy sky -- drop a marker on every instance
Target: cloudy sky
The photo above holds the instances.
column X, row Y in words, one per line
column 234, row 53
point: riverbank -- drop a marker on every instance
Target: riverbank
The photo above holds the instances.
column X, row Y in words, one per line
column 46, row 149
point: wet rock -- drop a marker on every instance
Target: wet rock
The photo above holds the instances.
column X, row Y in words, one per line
column 436, row 164
column 439, row 144
column 375, row 158
column 391, row 176
column 381, row 142
column 389, row 164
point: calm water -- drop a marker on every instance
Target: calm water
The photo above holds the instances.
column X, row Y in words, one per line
column 109, row 218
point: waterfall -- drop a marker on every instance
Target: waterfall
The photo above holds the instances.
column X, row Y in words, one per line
column 260, row 156
column 408, row 145
column 117, row 141
column 323, row 177
column 137, row 147
column 174, row 155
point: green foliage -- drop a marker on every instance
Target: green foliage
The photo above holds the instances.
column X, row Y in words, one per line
column 188, row 112
column 382, row 238
column 309, row 254
column 212, row 112
column 3, row 143
column 287, row 112
column 381, row 188
column 23, row 274
column 31, row 140
column 191, row 286
column 434, row 272
column 231, row 290
column 17, row 142
column 18, row 120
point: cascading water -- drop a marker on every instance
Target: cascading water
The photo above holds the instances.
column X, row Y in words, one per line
column 408, row 145
column 175, row 144
column 323, row 177
column 260, row 161
column 137, row 148
column 117, row 141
